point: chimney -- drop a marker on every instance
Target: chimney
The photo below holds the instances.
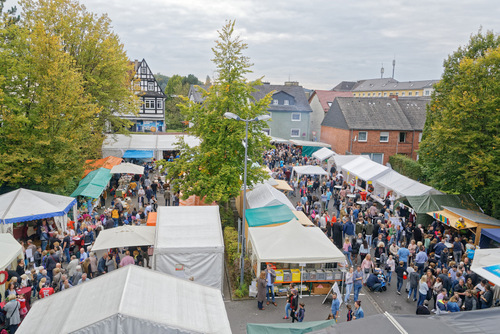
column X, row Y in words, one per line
column 136, row 64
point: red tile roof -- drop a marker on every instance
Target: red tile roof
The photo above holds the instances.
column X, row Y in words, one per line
column 326, row 96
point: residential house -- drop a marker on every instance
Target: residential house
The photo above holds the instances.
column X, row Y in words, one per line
column 151, row 116
column 289, row 109
column 388, row 87
column 376, row 127
column 320, row 102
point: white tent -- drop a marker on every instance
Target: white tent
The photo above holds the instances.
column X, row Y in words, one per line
column 308, row 170
column 297, row 142
column 486, row 263
column 189, row 244
column 24, row 205
column 292, row 243
column 364, row 169
column 401, row 185
column 323, row 154
column 130, row 300
column 125, row 236
column 266, row 195
column 10, row 249
column 127, row 168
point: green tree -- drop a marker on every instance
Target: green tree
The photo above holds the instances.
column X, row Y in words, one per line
column 162, row 80
column 97, row 53
column 191, row 79
column 460, row 144
column 48, row 120
column 174, row 92
column 214, row 168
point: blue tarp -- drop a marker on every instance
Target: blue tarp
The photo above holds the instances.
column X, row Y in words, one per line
column 138, row 154
column 492, row 233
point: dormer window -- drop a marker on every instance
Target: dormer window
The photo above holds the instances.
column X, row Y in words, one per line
column 275, row 102
column 286, row 102
column 151, row 86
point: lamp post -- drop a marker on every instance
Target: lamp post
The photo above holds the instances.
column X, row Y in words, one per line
column 256, row 119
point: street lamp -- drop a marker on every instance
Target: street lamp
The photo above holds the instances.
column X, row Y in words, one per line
column 231, row 115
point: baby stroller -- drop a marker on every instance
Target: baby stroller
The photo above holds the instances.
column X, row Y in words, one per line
column 382, row 279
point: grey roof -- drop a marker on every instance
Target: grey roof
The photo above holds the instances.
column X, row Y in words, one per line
column 475, row 216
column 345, row 86
column 387, row 84
column 415, row 110
column 301, row 101
column 372, row 114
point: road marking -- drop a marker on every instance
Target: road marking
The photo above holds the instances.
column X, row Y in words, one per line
column 395, row 323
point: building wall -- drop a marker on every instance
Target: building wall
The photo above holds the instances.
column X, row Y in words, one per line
column 398, row 92
column 317, row 116
column 342, row 141
column 282, row 124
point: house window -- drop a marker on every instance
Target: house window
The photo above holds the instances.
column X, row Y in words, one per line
column 403, row 94
column 354, row 95
column 151, row 86
column 275, row 102
column 150, row 104
column 427, row 93
column 368, row 94
column 402, row 137
column 409, row 93
column 385, row 94
column 379, row 94
column 144, row 70
column 384, row 137
column 362, row 136
column 295, row 133
column 159, row 104
column 296, row 117
column 397, row 93
column 286, row 102
column 420, row 137
column 363, row 94
column 377, row 157
column 416, row 93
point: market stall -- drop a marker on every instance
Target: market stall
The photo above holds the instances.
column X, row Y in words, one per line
column 127, row 168
column 24, row 205
column 107, row 162
column 282, row 185
column 302, row 218
column 125, row 236
column 93, row 184
column 401, row 186
column 486, row 263
column 299, row 253
column 10, row 251
column 189, row 244
column 363, row 169
column 309, row 147
column 462, row 219
column 267, row 216
column 266, row 195
column 323, row 154
column 287, row 328
column 308, row 170
column 490, row 238
column 137, row 300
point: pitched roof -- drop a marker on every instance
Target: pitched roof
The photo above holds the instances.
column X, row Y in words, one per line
column 301, row 102
column 415, row 110
column 373, row 114
column 345, row 86
column 195, row 94
column 326, row 96
column 391, row 84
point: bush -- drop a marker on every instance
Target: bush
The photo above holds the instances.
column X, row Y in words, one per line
column 406, row 166
column 226, row 215
column 231, row 244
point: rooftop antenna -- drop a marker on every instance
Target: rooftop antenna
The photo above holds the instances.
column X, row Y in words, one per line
column 382, row 71
column 393, row 66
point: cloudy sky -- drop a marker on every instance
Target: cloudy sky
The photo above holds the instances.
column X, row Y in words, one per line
column 317, row 43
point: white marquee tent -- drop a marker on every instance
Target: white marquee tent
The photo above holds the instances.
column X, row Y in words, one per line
column 364, row 169
column 127, row 168
column 292, row 243
column 323, row 154
column 130, row 300
column 25, row 205
column 309, row 170
column 401, row 185
column 125, row 236
column 341, row 160
column 189, row 244
column 10, row 249
column 266, row 195
column 486, row 263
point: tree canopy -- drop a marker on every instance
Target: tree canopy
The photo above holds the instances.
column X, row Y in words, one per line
column 177, row 88
column 460, row 144
column 214, row 168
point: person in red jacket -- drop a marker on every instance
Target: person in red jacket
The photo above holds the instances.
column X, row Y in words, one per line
column 46, row 291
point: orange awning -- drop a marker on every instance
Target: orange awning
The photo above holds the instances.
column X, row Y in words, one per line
column 151, row 219
column 107, row 163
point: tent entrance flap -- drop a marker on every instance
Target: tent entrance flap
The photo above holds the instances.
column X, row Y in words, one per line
column 138, row 154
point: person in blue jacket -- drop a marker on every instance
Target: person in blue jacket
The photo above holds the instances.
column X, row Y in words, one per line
column 453, row 305
column 358, row 311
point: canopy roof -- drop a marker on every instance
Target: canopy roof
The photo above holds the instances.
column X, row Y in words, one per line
column 486, row 263
column 341, row 160
column 404, row 186
column 303, row 143
column 427, row 203
column 268, row 215
column 188, row 229
column 137, row 300
column 287, row 328
column 279, row 140
column 310, row 244
column 281, row 185
column 127, row 168
column 93, row 184
column 24, row 205
column 302, row 218
column 266, row 195
column 125, row 236
column 475, row 216
column 323, row 154
column 10, row 250
column 492, row 233
column 107, row 162
column 138, row 154
column 365, row 169
column 309, row 170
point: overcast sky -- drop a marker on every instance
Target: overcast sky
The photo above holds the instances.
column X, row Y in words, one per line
column 317, row 43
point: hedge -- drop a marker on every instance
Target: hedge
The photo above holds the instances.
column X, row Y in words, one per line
column 406, row 166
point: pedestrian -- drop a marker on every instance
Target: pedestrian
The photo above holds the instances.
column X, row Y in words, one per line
column 357, row 282
column 270, row 277
column 423, row 289
column 358, row 311
column 261, row 290
column 400, row 273
column 349, row 283
column 294, row 302
column 414, row 284
column 349, row 312
column 300, row 312
column 390, row 267
column 12, row 314
column 335, row 306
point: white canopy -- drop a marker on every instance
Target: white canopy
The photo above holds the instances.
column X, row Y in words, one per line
column 401, row 185
column 309, row 170
column 127, row 168
column 279, row 140
column 125, row 236
column 130, row 300
column 309, row 143
column 189, row 243
column 10, row 249
column 486, row 263
column 24, row 205
column 293, row 243
column 365, row 169
column 266, row 195
column 323, row 154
